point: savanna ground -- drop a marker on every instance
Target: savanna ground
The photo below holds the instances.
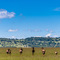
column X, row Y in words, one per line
column 27, row 54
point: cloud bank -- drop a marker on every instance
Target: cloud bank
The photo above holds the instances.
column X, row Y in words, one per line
column 6, row 14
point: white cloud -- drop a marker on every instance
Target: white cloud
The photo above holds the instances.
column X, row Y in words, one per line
column 55, row 36
column 6, row 14
column 13, row 37
column 11, row 30
column 48, row 35
column 57, row 9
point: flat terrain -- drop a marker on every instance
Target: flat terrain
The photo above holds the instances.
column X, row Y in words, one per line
column 27, row 54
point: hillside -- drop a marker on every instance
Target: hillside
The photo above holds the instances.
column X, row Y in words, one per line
column 30, row 42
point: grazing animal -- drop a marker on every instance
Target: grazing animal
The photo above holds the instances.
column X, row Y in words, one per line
column 8, row 51
column 21, row 50
column 43, row 51
column 33, row 50
column 56, row 52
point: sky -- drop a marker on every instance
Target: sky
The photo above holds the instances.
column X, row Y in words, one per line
column 29, row 18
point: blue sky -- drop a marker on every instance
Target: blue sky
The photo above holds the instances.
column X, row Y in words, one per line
column 29, row 18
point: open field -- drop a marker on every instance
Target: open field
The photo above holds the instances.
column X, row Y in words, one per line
column 27, row 55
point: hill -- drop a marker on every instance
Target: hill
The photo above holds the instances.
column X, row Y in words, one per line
column 30, row 42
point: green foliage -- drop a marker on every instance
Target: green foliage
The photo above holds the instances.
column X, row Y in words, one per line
column 30, row 42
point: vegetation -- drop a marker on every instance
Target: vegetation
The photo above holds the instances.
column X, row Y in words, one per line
column 27, row 54
column 30, row 42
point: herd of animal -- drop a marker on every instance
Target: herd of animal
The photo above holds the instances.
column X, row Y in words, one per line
column 8, row 51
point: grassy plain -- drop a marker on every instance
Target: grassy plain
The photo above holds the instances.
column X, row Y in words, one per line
column 27, row 54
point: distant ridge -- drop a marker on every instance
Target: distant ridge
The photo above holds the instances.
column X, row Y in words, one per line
column 30, row 42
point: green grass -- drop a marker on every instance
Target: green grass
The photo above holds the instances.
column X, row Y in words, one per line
column 27, row 54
